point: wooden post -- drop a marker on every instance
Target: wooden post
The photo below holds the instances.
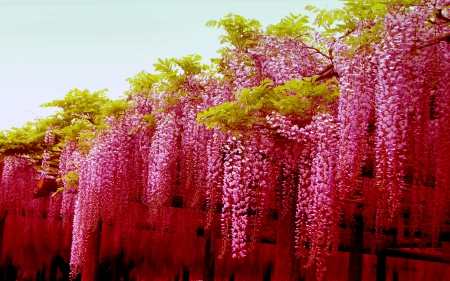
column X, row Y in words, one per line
column 412, row 255
column 126, row 268
column 42, row 273
column 9, row 271
column 38, row 275
column 381, row 265
column 91, row 264
column 64, row 268
column 267, row 272
column 208, row 271
column 177, row 276
column 355, row 255
column 53, row 269
column 394, row 275
column 126, row 275
column 186, row 274
column 117, row 267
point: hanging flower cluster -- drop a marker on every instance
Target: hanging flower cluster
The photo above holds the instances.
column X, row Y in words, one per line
column 162, row 160
column 33, row 232
column 322, row 214
column 108, row 181
column 236, row 195
column 277, row 58
column 69, row 160
column 356, row 114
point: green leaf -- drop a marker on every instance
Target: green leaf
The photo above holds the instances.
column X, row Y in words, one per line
column 379, row 6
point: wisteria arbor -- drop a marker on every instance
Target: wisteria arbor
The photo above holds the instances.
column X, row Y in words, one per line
column 295, row 142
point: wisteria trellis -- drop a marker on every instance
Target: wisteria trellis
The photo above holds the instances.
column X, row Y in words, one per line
column 391, row 121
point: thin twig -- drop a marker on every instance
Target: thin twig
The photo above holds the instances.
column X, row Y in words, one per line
column 317, row 51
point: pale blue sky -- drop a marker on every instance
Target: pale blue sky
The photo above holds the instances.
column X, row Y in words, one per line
column 47, row 49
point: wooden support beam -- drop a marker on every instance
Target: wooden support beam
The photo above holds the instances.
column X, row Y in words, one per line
column 405, row 254
column 381, row 265
column 355, row 257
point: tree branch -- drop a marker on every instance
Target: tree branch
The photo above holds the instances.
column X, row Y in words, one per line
column 316, row 51
column 440, row 16
column 442, row 38
column 327, row 72
column 327, row 68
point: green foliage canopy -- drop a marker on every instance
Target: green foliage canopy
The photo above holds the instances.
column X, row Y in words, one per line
column 82, row 114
